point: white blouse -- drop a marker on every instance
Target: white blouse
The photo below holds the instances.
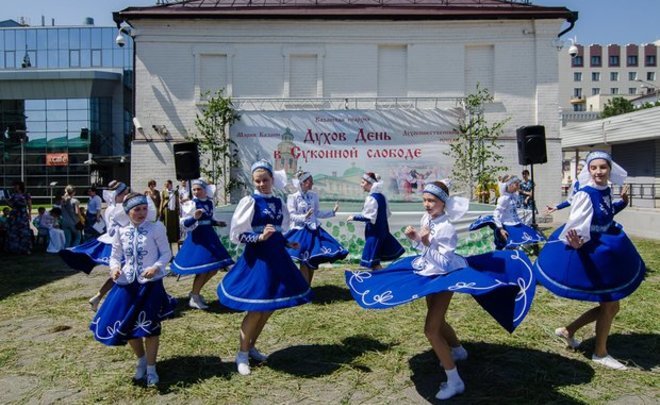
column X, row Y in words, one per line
column 581, row 213
column 439, row 256
column 241, row 221
column 506, row 212
column 298, row 204
column 370, row 209
column 141, row 247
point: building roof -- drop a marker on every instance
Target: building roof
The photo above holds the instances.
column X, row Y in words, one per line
column 347, row 9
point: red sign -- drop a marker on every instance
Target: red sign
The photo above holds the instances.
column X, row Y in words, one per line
column 57, row 159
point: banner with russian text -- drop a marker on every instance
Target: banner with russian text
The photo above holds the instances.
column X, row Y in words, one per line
column 405, row 147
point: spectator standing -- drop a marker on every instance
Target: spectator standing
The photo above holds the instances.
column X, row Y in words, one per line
column 152, row 193
column 19, row 235
column 70, row 217
column 93, row 213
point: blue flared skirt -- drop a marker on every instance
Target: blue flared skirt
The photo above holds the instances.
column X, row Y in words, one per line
column 132, row 311
column 86, row 256
column 607, row 268
column 264, row 279
column 201, row 252
column 380, row 248
column 519, row 234
column 316, row 247
column 501, row 282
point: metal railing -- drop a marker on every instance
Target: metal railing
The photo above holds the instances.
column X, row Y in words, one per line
column 638, row 192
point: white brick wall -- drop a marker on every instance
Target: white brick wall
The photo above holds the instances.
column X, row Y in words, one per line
column 525, row 73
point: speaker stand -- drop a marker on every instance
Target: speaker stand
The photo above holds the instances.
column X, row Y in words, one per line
column 535, row 247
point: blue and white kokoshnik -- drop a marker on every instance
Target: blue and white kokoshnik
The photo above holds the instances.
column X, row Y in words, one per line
column 262, row 164
column 133, row 202
column 436, row 191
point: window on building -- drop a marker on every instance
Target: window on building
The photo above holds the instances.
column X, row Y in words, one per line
column 595, row 60
column 578, row 107
column 650, row 76
column 577, row 76
column 632, row 60
column 614, row 76
column 632, row 75
column 577, row 61
column 614, row 60
column 303, row 76
column 650, row 60
column 595, row 91
column 614, row 90
column 577, row 92
column 595, row 76
column 632, row 90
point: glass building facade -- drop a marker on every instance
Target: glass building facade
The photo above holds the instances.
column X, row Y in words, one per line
column 64, row 124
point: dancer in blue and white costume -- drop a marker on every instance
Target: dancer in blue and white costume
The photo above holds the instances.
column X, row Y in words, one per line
column 265, row 278
column 202, row 253
column 316, row 245
column 509, row 231
column 137, row 303
column 501, row 282
column 380, row 244
column 590, row 258
column 97, row 251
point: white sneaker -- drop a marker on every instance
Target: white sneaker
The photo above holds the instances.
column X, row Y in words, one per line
column 196, row 302
column 152, row 379
column 242, row 362
column 447, row 391
column 257, row 355
column 609, row 361
column 94, row 302
column 570, row 341
column 459, row 353
column 140, row 371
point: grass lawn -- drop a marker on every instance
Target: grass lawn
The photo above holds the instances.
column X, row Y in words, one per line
column 330, row 351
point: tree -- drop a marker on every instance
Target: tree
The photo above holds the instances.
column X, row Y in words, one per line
column 474, row 150
column 617, row 106
column 218, row 153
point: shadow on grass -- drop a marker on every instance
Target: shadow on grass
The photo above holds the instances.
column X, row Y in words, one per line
column 23, row 273
column 309, row 361
column 185, row 371
column 328, row 294
column 215, row 307
column 497, row 373
column 639, row 350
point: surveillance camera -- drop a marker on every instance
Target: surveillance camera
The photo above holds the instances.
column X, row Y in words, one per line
column 136, row 124
column 573, row 51
column 120, row 40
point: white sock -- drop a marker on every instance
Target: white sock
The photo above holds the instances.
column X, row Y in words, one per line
column 452, row 376
column 151, row 369
column 142, row 361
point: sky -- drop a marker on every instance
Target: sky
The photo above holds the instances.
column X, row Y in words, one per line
column 600, row 21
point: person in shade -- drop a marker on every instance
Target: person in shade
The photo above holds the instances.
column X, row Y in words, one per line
column 137, row 303
column 509, row 231
column 590, row 258
column 316, row 245
column 202, row 253
column 379, row 243
column 97, row 251
column 169, row 211
column 501, row 282
column 265, row 278
column 575, row 187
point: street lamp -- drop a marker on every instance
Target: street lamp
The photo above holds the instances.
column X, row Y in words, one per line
column 52, row 185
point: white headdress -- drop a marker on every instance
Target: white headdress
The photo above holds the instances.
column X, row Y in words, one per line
column 617, row 173
column 455, row 207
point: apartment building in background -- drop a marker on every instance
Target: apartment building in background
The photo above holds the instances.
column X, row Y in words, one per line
column 600, row 72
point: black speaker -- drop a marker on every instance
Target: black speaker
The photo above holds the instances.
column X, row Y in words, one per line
column 531, row 145
column 186, row 160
